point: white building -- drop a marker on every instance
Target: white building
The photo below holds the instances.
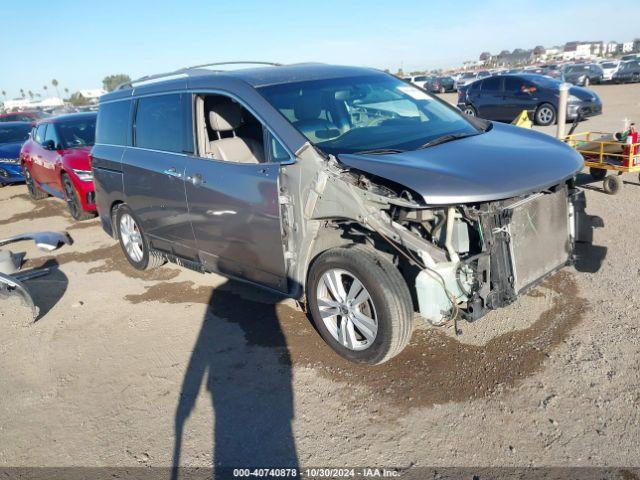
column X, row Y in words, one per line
column 92, row 94
column 27, row 104
column 609, row 48
column 627, row 47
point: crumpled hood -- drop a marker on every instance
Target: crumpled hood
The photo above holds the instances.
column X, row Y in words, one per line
column 504, row 162
column 10, row 150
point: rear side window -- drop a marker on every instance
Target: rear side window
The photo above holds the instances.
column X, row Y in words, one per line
column 491, row 84
column 159, row 123
column 113, row 123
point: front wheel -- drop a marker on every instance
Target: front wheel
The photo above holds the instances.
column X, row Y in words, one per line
column 360, row 304
column 545, row 115
column 73, row 200
column 586, row 82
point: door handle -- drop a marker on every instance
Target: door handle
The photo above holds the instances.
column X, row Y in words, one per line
column 172, row 172
column 196, row 179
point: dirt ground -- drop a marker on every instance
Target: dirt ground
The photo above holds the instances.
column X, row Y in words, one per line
column 124, row 368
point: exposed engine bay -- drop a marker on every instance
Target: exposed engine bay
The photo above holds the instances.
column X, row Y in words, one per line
column 471, row 257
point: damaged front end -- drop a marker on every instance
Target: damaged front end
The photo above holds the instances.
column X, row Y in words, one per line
column 466, row 258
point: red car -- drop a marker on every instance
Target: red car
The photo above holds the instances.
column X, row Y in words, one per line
column 32, row 117
column 56, row 161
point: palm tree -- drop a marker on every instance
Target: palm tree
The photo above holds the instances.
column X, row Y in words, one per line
column 30, row 94
column 22, row 92
column 45, row 88
column 4, row 94
column 54, row 82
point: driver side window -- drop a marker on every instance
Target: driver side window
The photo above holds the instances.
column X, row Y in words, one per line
column 51, row 135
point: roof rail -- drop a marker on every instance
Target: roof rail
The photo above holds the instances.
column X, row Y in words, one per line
column 186, row 70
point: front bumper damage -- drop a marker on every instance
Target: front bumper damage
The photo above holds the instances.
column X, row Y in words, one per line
column 522, row 241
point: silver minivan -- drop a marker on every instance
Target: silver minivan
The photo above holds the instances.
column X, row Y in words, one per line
column 358, row 194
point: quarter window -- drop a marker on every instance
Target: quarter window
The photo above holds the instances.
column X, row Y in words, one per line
column 159, row 123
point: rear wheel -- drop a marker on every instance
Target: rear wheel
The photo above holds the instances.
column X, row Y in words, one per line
column 597, row 173
column 360, row 304
column 545, row 115
column 470, row 110
column 73, row 200
column 586, row 82
column 133, row 242
column 34, row 192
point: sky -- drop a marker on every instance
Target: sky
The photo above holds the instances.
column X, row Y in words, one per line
column 80, row 42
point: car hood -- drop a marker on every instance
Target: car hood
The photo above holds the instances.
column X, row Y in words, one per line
column 10, row 150
column 584, row 94
column 504, row 162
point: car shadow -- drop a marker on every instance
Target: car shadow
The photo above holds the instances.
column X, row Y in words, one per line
column 242, row 358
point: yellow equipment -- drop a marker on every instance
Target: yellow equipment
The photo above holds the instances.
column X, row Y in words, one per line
column 523, row 120
column 603, row 152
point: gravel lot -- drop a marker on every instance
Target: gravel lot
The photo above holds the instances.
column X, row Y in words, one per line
column 121, row 364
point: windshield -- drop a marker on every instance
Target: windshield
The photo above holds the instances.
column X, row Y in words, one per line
column 468, row 75
column 609, row 65
column 77, row 133
column 373, row 112
column 14, row 133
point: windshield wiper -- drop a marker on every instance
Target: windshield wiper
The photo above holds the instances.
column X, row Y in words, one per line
column 445, row 139
column 379, row 151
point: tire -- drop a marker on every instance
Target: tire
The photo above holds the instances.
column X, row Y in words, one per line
column 545, row 115
column 635, row 78
column 597, row 173
column 136, row 250
column 612, row 184
column 443, row 90
column 385, row 302
column 470, row 111
column 73, row 200
column 34, row 192
column 586, row 82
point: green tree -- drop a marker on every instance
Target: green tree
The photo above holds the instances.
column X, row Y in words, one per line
column 112, row 81
column 78, row 100
column 66, row 90
column 22, row 92
column 4, row 94
column 45, row 89
column 30, row 93
column 54, row 82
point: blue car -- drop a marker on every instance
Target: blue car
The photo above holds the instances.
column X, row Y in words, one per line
column 502, row 98
column 12, row 136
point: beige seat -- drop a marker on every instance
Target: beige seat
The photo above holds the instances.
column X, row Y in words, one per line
column 307, row 110
column 227, row 117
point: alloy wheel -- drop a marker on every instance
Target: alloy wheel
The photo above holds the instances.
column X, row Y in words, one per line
column 131, row 238
column 545, row 115
column 470, row 111
column 72, row 201
column 347, row 309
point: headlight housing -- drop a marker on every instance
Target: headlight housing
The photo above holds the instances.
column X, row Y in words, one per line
column 84, row 175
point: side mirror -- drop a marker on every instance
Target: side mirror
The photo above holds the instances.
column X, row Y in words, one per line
column 49, row 145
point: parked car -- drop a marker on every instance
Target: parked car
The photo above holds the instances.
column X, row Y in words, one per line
column 465, row 78
column 627, row 72
column 32, row 117
column 422, row 81
column 56, row 161
column 343, row 187
column 12, row 136
column 551, row 70
column 584, row 74
column 443, row 85
column 503, row 98
column 608, row 69
column 630, row 57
